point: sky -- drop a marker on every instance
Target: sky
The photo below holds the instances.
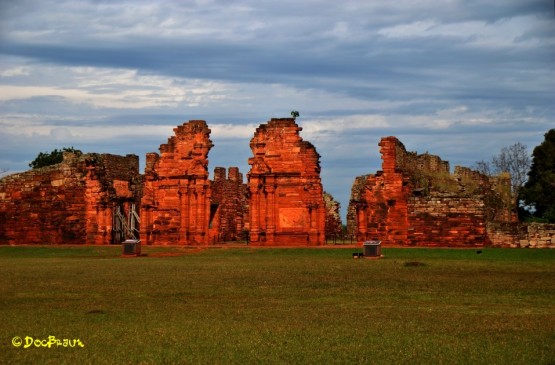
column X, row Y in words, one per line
column 456, row 78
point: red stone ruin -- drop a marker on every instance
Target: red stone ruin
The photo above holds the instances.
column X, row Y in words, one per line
column 415, row 200
column 285, row 192
column 86, row 199
column 229, row 206
column 175, row 207
column 102, row 199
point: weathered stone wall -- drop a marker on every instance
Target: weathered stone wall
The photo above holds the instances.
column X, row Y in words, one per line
column 414, row 200
column 446, row 220
column 229, row 205
column 286, row 203
column 333, row 218
column 381, row 207
column 356, row 204
column 538, row 236
column 525, row 235
column 70, row 202
column 176, row 201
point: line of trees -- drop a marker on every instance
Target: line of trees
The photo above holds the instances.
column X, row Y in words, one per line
column 532, row 179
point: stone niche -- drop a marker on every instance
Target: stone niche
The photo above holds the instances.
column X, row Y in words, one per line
column 229, row 206
column 77, row 201
column 285, row 191
column 175, row 208
column 414, row 200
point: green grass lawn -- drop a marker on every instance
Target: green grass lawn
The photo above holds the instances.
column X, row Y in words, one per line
column 288, row 306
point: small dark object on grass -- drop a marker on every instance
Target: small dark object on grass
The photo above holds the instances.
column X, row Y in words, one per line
column 414, row 263
column 96, row 311
column 479, row 252
column 357, row 255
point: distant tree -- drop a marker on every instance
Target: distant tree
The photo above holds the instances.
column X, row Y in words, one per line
column 52, row 158
column 513, row 159
column 483, row 166
column 539, row 190
column 516, row 161
column 294, row 113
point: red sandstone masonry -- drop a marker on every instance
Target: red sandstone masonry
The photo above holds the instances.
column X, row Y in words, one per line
column 523, row 235
column 71, row 202
column 176, row 200
column 229, row 206
column 75, row 201
column 286, row 203
column 396, row 208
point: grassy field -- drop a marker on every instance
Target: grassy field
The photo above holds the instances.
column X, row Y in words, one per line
column 288, row 306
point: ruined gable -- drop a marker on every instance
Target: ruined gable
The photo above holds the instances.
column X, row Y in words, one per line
column 286, row 203
column 176, row 200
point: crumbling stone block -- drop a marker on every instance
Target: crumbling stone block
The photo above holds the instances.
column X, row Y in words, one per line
column 229, row 206
column 71, row 202
column 286, row 202
column 176, row 201
column 415, row 200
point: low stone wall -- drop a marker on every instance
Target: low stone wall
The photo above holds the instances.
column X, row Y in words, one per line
column 70, row 202
column 524, row 235
column 446, row 220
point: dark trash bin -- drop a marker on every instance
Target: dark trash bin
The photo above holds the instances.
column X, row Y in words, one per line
column 131, row 247
column 372, row 248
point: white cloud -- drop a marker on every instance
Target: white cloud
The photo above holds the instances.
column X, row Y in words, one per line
column 410, row 30
column 315, row 129
column 232, row 131
column 504, row 33
column 116, row 88
column 15, row 71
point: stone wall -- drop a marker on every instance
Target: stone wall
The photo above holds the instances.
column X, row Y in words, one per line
column 70, row 202
column 286, row 203
column 229, row 206
column 176, row 201
column 525, row 235
column 333, row 222
column 414, row 200
column 356, row 204
column 446, row 220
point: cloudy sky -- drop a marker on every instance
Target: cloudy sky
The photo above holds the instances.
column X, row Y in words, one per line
column 456, row 78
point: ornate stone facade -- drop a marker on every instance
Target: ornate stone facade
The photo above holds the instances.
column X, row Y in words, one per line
column 286, row 203
column 176, row 201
